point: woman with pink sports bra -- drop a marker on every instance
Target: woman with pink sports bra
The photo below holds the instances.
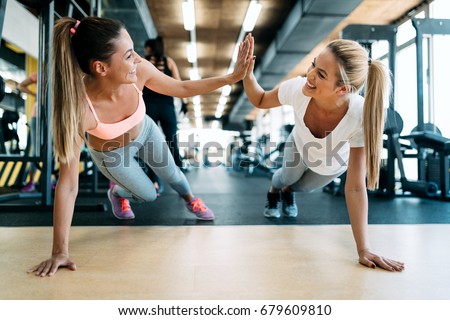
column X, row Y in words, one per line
column 97, row 89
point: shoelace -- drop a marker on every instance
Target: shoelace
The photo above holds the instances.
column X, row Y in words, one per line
column 124, row 204
column 198, row 205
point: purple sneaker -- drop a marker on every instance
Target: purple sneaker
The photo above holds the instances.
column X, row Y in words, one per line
column 197, row 207
column 120, row 206
column 29, row 187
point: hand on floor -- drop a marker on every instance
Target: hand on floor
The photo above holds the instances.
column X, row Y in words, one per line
column 50, row 267
column 371, row 260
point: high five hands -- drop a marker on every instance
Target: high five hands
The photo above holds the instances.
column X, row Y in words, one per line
column 245, row 59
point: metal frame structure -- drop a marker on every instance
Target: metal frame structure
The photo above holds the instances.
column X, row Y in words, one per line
column 424, row 139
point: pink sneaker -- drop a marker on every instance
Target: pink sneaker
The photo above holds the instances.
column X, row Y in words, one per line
column 197, row 207
column 120, row 206
column 29, row 187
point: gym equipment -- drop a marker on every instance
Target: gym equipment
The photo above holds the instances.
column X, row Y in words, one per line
column 423, row 138
column 44, row 143
column 393, row 128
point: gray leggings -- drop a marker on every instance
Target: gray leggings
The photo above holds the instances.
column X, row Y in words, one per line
column 121, row 167
column 296, row 174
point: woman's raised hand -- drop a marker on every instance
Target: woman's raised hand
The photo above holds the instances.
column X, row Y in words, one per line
column 243, row 60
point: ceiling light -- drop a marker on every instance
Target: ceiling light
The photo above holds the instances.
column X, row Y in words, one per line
column 252, row 15
column 218, row 115
column 223, row 100
column 191, row 50
column 226, row 90
column 193, row 74
column 220, row 107
column 196, row 100
column 188, row 15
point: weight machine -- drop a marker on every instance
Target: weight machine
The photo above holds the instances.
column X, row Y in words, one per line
column 423, row 138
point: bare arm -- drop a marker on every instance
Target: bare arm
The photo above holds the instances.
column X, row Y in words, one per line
column 357, row 206
column 258, row 96
column 65, row 196
column 159, row 82
column 24, row 85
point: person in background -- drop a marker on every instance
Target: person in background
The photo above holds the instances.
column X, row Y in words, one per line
column 25, row 87
column 97, row 89
column 335, row 130
column 161, row 107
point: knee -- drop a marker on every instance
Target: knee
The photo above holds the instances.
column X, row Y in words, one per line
column 148, row 196
column 301, row 189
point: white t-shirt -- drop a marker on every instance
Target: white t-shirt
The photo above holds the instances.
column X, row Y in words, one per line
column 329, row 155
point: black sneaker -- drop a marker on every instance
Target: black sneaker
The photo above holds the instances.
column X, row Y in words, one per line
column 288, row 205
column 271, row 209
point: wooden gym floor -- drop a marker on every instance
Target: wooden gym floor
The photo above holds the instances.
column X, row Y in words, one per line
column 166, row 254
column 227, row 262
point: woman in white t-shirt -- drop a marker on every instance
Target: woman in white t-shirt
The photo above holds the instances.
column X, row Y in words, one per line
column 336, row 130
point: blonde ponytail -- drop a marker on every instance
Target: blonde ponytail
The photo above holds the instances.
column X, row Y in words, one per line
column 378, row 88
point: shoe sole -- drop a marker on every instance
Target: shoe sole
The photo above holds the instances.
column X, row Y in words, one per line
column 271, row 216
column 290, row 216
column 199, row 218
column 112, row 208
column 204, row 219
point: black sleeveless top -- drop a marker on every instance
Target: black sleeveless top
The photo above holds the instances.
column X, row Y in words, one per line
column 150, row 95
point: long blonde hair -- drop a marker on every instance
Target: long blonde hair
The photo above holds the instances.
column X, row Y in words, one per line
column 75, row 47
column 357, row 71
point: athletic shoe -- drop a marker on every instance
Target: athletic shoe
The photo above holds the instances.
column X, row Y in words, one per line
column 29, row 187
column 288, row 205
column 272, row 209
column 197, row 207
column 120, row 206
column 156, row 185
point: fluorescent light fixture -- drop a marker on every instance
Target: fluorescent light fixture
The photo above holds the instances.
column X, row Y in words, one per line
column 191, row 50
column 223, row 100
column 196, row 100
column 193, row 74
column 188, row 15
column 226, row 90
column 251, row 16
column 220, row 108
column 197, row 108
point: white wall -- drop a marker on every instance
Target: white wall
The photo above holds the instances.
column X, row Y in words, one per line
column 21, row 28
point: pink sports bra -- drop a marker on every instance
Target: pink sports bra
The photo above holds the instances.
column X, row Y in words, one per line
column 107, row 131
